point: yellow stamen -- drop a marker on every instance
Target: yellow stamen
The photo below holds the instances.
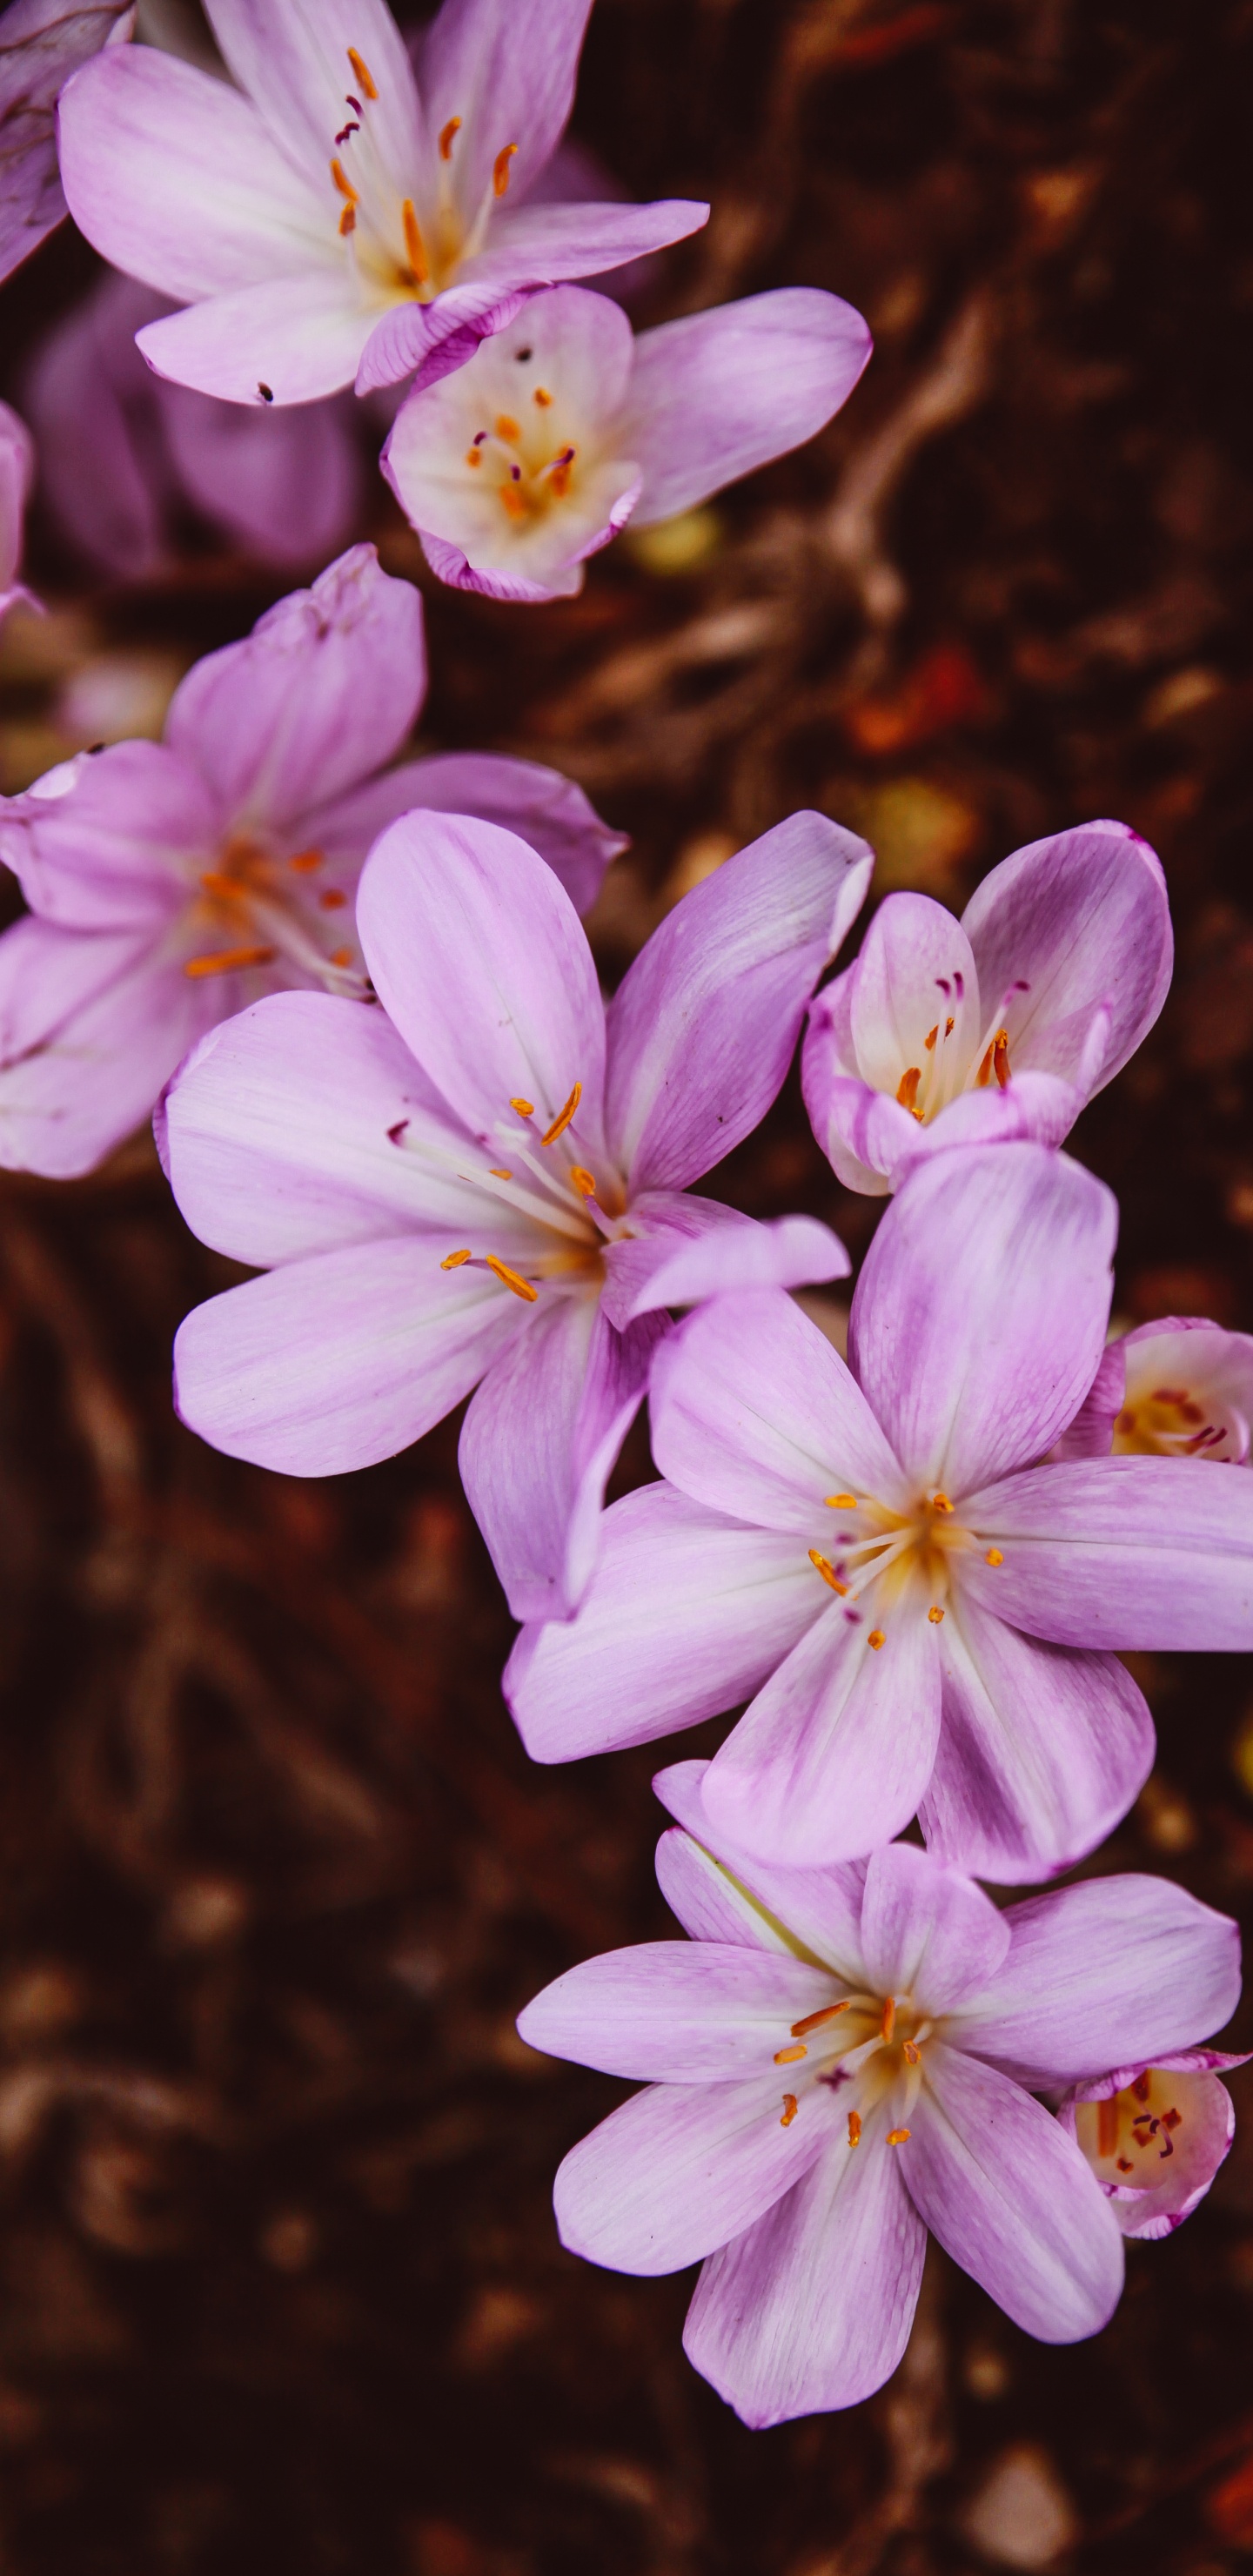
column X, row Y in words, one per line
column 583, row 1180
column 789, row 2056
column 446, row 135
column 347, row 222
column 227, row 960
column 543, row 397
column 345, row 186
column 563, row 1117
column 930, row 1039
column 1000, row 1057
column 499, row 1175
column 888, row 2023
column 559, row 479
column 1107, row 2125
column 500, row 169
column 984, row 1074
column 994, row 1557
column 332, row 900
column 305, row 861
column 814, row 2020
column 790, row 2107
column 507, row 428
column 361, row 72
column 854, row 2128
column 455, row 1259
column 911, row 2053
column 414, row 244
column 510, row 1279
column 935, row 1614
column 841, row 1502
column 876, row 1639
column 907, row 1088
column 897, row 2137
column 940, row 1503
column 824, row 1567
column 525, row 1108
column 473, row 456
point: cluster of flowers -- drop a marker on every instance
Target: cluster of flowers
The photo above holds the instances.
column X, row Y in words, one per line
column 345, row 984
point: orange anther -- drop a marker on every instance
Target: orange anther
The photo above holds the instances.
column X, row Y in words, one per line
column 227, row 889
column 341, row 957
column 514, row 502
column 305, row 861
column 455, row 1259
column 345, row 186
column 446, row 136
column 361, row 72
column 984, row 1074
column 888, row 2023
column 1000, row 1056
column 907, row 1088
column 932, row 1035
column 500, row 1175
column 583, row 1181
column 474, row 456
column 509, row 1279
column 824, row 1567
column 414, row 244
column 500, row 169
column 814, row 2020
column 1107, row 2125
column 525, row 1108
column 1142, row 2087
column 347, row 222
column 227, row 960
column 790, row 2107
column 940, row 1503
column 543, row 397
column 332, row 900
column 789, row 2056
column 949, row 1027
column 507, row 428
column 935, row 1614
column 994, row 1557
column 854, row 2128
column 876, row 1639
column 911, row 2053
column 841, row 1502
column 897, row 2137
column 563, row 1117
column 559, row 479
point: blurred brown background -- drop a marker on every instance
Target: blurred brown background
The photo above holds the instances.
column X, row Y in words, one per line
column 279, row 2284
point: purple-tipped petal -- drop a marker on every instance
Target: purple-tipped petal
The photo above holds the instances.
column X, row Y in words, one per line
column 754, row 1413
column 539, row 1441
column 1125, row 1553
column 291, row 339
column 699, row 1250
column 927, row 1932
column 41, row 43
column 1110, row 1970
column 818, row 1909
column 1041, row 1750
column 980, row 1313
column 1064, row 929
column 465, row 929
column 550, row 813
column 702, row 1027
column 724, row 1603
column 678, row 2170
column 676, row 2012
column 335, row 1362
column 91, row 1026
column 811, row 2308
column 111, row 840
column 717, row 394
column 426, row 342
column 1010, row 2197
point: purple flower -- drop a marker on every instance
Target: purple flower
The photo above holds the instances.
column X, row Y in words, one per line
column 17, row 473
column 488, row 1180
column 41, row 43
column 1155, row 2135
column 845, row 2058
column 333, row 217
column 169, row 883
column 1178, row 1388
column 999, row 1025
column 565, row 426
column 920, row 1614
column 120, row 450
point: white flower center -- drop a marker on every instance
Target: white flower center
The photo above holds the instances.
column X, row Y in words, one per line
column 405, row 248
column 258, row 904
column 573, row 1215
column 879, row 1557
column 1128, row 2137
column 868, row 2048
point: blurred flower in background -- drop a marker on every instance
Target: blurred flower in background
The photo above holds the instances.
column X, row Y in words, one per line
column 41, row 43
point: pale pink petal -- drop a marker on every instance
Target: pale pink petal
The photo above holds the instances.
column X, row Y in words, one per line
column 980, row 1313
column 818, row 1910
column 677, row 2171
column 927, row 1932
column 41, row 43
column 1125, row 1553
column 286, row 483
column 292, row 339
column 716, row 394
column 709, row 1902
column 724, row 1604
column 811, row 2308
column 695, row 1248
column 1069, row 926
column 547, row 811
column 103, row 473
column 676, row 2012
column 872, row 1142
column 91, row 1026
column 112, row 840
column 702, row 1027
column 321, row 693
column 1091, row 1433
column 291, row 56
column 507, row 69
column 1041, row 1750
column 915, row 980
column 427, row 342
column 1010, row 2198
column 332, row 1363
column 539, row 1441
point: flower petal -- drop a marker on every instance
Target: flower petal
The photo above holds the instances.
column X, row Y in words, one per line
column 1104, row 1973
column 716, row 394
column 754, row 1413
column 285, row 482
column 550, row 813
column 323, row 691
column 926, row 1931
column 872, row 1143
column 678, row 2170
column 90, row 1028
column 332, row 1363
column 507, row 69
column 695, row 1248
column 538, row 1444
column 1067, row 926
column 914, row 981
column 676, row 2012
column 811, row 2308
column 1181, row 2153
column 1212, row 1369
column 298, row 335
column 836, row 1750
column 1091, row 1433
column 106, row 488
column 173, row 177
column 815, row 1912
column 702, row 1027
column 292, row 58
column 1041, row 1750
column 685, row 1615
column 111, row 840
column 710, row 1904
column 1010, row 2197
column 41, row 43
column 1128, row 1553
column 480, row 958
column 980, row 1313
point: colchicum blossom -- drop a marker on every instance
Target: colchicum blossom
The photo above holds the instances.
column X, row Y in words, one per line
column 565, row 426
column 1177, row 1388
column 335, row 216
column 842, row 2059
column 120, row 450
column 41, row 43
column 1155, row 2135
column 922, row 1615
column 489, row 1178
column 170, row 883
column 17, row 473
column 1002, row 1024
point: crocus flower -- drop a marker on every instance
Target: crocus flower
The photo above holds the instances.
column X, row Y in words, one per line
column 120, row 450
column 169, row 883
column 564, row 426
column 842, row 2059
column 348, row 1152
column 1155, row 2134
column 41, row 43
column 333, row 216
column 921, row 1615
column 1001, row 1024
column 1177, row 1388
column 17, row 473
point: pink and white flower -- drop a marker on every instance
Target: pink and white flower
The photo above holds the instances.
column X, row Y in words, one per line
column 1002, row 1024
column 1155, row 2134
column 488, row 1180
column 841, row 2060
column 170, row 883
column 337, row 214
column 1178, row 1388
column 565, row 425
column 41, row 43
column 921, row 1615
